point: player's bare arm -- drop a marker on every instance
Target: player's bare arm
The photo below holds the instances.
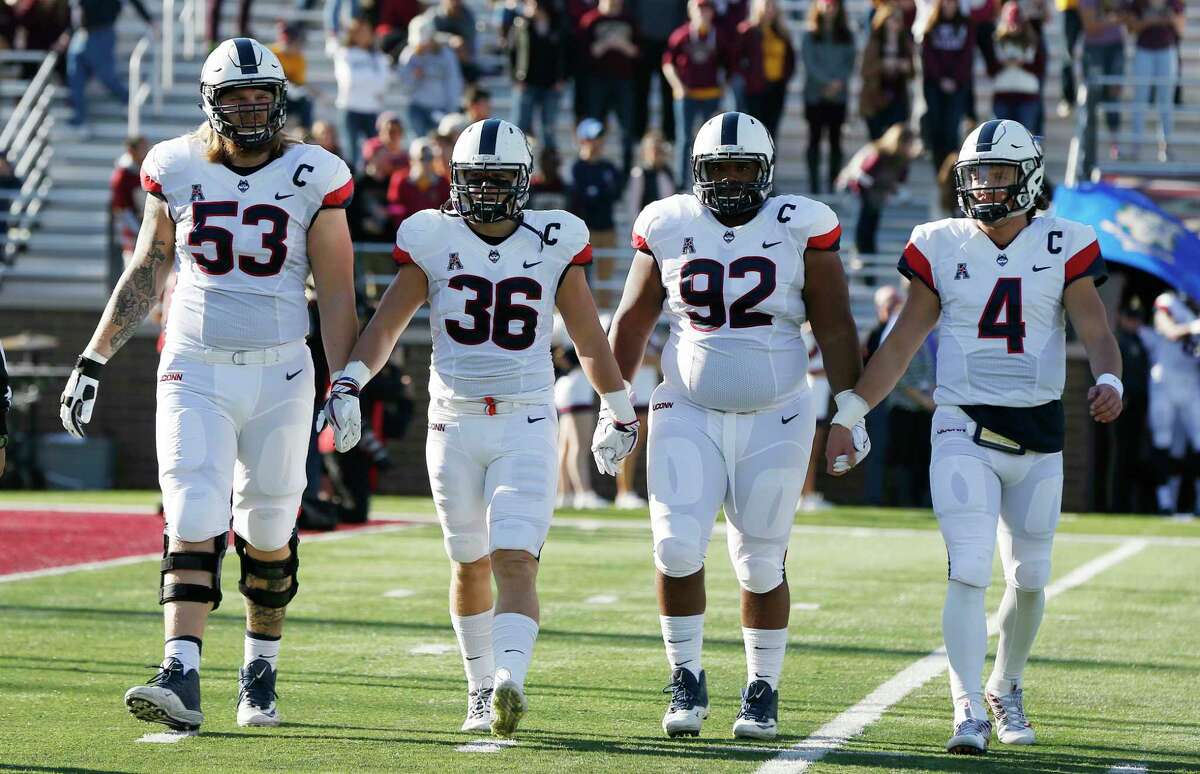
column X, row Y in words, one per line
column 917, row 318
column 1090, row 321
column 142, row 282
column 578, row 310
column 827, row 301
column 639, row 310
column 331, row 257
column 400, row 302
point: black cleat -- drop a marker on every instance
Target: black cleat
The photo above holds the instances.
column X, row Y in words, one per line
column 689, row 704
column 171, row 697
column 759, row 716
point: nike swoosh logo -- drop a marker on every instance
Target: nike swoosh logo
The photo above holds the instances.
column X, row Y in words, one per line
column 530, row 265
column 1040, row 268
column 789, row 419
column 676, row 642
column 281, row 197
column 757, row 647
column 531, row 420
column 260, row 674
column 767, row 245
column 472, row 658
column 512, row 650
column 289, row 377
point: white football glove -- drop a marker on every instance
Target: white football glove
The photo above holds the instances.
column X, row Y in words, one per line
column 851, row 414
column 341, row 407
column 616, row 431
column 79, row 397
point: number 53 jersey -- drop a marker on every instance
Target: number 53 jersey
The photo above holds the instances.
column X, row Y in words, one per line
column 733, row 297
column 491, row 306
column 241, row 241
column 1002, row 333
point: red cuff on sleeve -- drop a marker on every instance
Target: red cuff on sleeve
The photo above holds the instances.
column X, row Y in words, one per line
column 340, row 197
column 830, row 240
column 150, row 185
column 639, row 242
column 1081, row 261
column 583, row 257
column 918, row 264
column 401, row 256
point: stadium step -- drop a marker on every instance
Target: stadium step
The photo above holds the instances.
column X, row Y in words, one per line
column 38, row 265
column 87, row 249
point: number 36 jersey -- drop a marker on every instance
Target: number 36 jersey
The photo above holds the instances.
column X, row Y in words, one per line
column 241, row 241
column 1002, row 332
column 491, row 306
column 733, row 297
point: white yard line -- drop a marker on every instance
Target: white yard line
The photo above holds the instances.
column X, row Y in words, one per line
column 1128, row 768
column 485, row 746
column 855, row 720
column 166, row 737
column 123, row 560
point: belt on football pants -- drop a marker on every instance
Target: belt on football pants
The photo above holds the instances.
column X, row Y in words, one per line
column 257, row 357
column 488, row 406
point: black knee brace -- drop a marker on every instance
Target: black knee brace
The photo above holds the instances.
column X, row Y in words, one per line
column 192, row 560
column 269, row 571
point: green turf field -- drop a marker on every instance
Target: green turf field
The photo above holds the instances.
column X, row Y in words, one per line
column 1112, row 682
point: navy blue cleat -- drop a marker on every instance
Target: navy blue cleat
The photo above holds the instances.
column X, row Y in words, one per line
column 689, row 704
column 759, row 716
column 256, row 697
column 171, row 697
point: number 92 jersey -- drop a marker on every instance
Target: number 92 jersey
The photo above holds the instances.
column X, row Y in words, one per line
column 1002, row 332
column 491, row 306
column 733, row 297
column 241, row 241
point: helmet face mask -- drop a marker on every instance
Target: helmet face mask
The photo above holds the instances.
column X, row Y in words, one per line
column 490, row 172
column 234, row 70
column 733, row 164
column 1000, row 173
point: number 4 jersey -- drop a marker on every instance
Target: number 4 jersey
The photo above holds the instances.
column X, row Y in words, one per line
column 241, row 241
column 491, row 306
column 733, row 297
column 1002, row 333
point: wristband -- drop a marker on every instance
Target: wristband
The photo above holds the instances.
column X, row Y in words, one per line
column 619, row 406
column 92, row 354
column 89, row 366
column 852, row 409
column 1112, row 380
column 356, row 371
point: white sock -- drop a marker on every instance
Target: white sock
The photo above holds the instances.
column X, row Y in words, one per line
column 513, row 636
column 1168, row 494
column 964, row 627
column 262, row 646
column 186, row 649
column 765, row 649
column 1020, row 616
column 474, row 634
column 684, row 637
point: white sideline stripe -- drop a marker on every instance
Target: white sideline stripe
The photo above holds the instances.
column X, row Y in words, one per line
column 806, row 606
column 1128, row 768
column 601, row 599
column 399, row 593
column 166, row 737
column 855, row 720
column 123, row 560
column 433, row 649
column 485, row 745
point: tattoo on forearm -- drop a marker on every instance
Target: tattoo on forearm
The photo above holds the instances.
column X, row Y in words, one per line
column 137, row 295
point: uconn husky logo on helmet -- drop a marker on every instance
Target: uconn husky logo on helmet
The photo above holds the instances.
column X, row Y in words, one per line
column 489, row 171
column 732, row 137
column 1000, row 172
column 243, row 63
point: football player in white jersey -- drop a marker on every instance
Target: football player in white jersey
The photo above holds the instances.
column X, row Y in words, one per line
column 493, row 274
column 242, row 215
column 1174, row 386
column 737, row 272
column 997, row 284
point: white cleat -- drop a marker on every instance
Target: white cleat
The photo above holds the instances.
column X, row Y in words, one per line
column 479, row 711
column 629, row 501
column 971, row 737
column 1012, row 727
column 508, row 705
column 689, row 704
column 256, row 697
column 589, row 501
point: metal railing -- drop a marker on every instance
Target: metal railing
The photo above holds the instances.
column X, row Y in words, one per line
column 153, row 82
column 25, row 140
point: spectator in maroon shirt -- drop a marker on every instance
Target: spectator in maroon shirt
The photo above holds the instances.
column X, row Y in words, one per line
column 421, row 188
column 1158, row 25
column 693, row 64
column 765, row 59
column 947, row 56
column 1019, row 73
column 125, row 194
column 608, row 34
column 391, row 24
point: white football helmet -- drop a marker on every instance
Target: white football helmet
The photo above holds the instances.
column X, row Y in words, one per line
column 483, row 147
column 243, row 63
column 1000, row 172
column 732, row 136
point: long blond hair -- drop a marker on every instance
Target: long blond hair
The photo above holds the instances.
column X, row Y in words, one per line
column 219, row 150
